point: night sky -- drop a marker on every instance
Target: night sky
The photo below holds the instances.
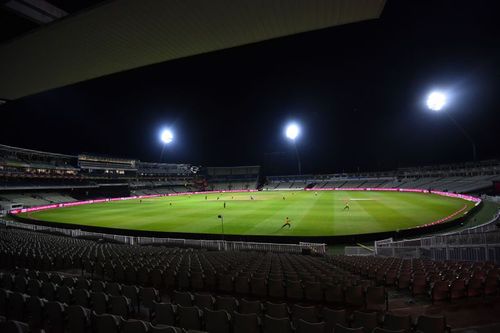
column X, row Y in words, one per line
column 358, row 92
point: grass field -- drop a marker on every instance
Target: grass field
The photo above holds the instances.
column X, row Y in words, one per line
column 311, row 214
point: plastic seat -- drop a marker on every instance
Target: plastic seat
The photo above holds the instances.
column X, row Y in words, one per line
column 276, row 288
column 15, row 307
column 81, row 297
column 163, row 314
column 183, row 298
column 457, row 289
column 56, row 314
column 247, row 306
column 65, row 294
column 334, row 294
column 204, row 301
column 225, row 283
column 354, row 296
column 78, row 319
column 367, row 320
column 34, row 287
column 120, row 306
column 276, row 310
column 307, row 313
column 294, row 290
column 440, row 291
column 276, row 325
column 113, row 289
column 217, row 321
column 99, row 302
column 376, row 299
column 241, row 285
column 304, row 326
column 228, row 303
column 474, row 287
column 48, row 291
column 197, row 281
column 431, row 324
column 105, row 323
column 258, row 287
column 13, row 326
column 246, row 322
column 132, row 293
column 147, row 296
column 189, row 317
column 333, row 317
column 397, row 322
column 134, row 326
column 35, row 308
column 343, row 329
column 313, row 291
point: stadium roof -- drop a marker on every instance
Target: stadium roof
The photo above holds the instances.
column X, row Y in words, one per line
column 122, row 35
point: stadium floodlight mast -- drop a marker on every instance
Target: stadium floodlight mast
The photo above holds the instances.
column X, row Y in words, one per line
column 436, row 101
column 292, row 132
column 166, row 137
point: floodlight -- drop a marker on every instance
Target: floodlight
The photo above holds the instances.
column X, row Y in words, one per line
column 167, row 136
column 292, row 131
column 436, row 100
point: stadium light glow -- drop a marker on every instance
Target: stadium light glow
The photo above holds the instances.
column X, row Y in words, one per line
column 166, row 136
column 292, row 131
column 436, row 101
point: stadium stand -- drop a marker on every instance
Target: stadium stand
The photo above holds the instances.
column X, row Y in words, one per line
column 59, row 279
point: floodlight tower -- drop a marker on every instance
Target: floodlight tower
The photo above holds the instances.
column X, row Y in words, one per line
column 436, row 101
column 292, row 131
column 166, row 137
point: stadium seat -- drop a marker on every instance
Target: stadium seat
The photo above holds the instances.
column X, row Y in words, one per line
column 246, row 322
column 14, row 326
column 333, row 317
column 304, row 326
column 247, row 307
column 204, row 301
column 189, row 317
column 354, row 296
column 276, row 288
column 78, row 319
column 367, row 320
column 276, row 325
column 99, row 302
column 134, row 326
column 227, row 303
column 307, row 313
column 376, row 299
column 343, row 329
column 56, row 314
column 396, row 322
column 276, row 310
column 431, row 324
column 313, row 291
column 120, row 306
column 163, row 314
column 217, row 321
column 183, row 298
column 294, row 291
column 105, row 323
column 35, row 310
column 15, row 308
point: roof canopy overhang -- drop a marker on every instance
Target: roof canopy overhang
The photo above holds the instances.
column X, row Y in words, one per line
column 127, row 34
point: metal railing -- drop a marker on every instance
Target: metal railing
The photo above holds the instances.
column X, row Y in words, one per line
column 311, row 248
column 477, row 243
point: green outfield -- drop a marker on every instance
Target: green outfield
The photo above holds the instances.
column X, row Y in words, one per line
column 311, row 213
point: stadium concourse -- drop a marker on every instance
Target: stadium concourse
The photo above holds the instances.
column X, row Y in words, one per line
column 58, row 280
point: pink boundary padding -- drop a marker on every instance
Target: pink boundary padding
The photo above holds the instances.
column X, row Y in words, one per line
column 445, row 194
